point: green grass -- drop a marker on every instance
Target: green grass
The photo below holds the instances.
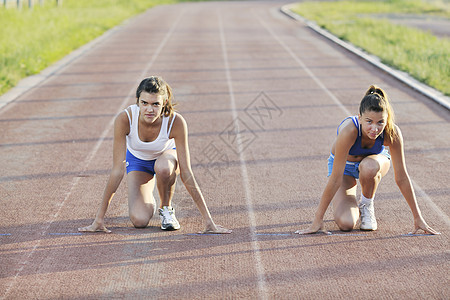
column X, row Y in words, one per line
column 419, row 53
column 31, row 40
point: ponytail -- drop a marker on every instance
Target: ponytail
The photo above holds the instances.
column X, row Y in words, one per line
column 168, row 108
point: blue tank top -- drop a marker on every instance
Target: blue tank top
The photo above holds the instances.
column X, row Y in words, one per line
column 356, row 149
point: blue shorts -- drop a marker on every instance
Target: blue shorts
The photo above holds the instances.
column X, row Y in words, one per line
column 136, row 164
column 351, row 167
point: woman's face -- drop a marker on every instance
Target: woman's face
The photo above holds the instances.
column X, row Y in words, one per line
column 373, row 123
column 150, row 106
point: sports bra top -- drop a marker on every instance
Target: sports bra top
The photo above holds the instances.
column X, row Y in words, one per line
column 357, row 149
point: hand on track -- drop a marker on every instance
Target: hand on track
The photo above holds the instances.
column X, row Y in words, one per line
column 217, row 229
column 95, row 227
column 421, row 224
column 314, row 228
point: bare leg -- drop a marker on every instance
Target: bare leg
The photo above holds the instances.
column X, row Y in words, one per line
column 141, row 203
column 345, row 208
column 371, row 170
column 166, row 175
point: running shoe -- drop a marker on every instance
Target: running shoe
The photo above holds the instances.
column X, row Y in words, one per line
column 168, row 219
column 367, row 212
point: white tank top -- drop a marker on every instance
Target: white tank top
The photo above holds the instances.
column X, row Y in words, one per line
column 148, row 150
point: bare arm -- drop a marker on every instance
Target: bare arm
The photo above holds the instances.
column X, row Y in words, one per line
column 180, row 134
column 121, row 129
column 404, row 183
column 344, row 142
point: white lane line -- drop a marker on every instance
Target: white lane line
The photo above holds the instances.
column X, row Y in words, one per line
column 436, row 208
column 262, row 289
column 426, row 90
column 302, row 65
column 65, row 233
column 29, row 83
column 94, row 151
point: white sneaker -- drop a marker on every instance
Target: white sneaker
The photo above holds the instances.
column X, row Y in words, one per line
column 368, row 221
column 168, row 219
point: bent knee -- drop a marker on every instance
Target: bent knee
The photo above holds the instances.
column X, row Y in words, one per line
column 346, row 224
column 165, row 172
column 369, row 169
column 139, row 221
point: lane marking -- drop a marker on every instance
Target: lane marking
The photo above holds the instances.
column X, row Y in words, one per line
column 94, row 151
column 28, row 84
column 65, row 233
column 348, row 234
column 428, row 91
column 419, row 234
column 303, row 66
column 319, row 233
column 274, row 234
column 436, row 208
column 200, row 234
column 262, row 289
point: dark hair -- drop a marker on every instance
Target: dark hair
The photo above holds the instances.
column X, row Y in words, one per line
column 376, row 100
column 157, row 85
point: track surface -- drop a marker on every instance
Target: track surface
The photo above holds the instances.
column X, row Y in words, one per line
column 262, row 96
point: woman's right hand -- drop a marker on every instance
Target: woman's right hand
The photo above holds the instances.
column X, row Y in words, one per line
column 96, row 226
column 316, row 226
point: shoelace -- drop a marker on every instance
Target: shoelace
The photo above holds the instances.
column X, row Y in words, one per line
column 366, row 212
column 167, row 215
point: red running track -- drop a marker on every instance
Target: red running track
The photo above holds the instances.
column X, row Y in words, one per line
column 262, row 173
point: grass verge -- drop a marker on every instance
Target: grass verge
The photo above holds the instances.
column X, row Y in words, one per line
column 364, row 24
column 33, row 39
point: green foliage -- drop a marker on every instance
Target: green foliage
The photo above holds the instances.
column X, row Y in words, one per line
column 32, row 39
column 363, row 23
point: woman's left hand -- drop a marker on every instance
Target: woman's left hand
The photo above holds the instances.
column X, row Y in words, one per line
column 216, row 229
column 421, row 224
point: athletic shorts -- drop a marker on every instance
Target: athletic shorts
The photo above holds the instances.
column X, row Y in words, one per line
column 136, row 164
column 351, row 167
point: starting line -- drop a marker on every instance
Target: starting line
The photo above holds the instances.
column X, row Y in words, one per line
column 65, row 233
column 261, row 234
column 419, row 234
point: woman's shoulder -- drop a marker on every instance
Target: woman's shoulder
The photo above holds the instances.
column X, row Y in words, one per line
column 347, row 134
column 397, row 137
column 123, row 115
column 347, row 126
column 132, row 108
column 122, row 121
column 179, row 124
column 178, row 120
column 129, row 111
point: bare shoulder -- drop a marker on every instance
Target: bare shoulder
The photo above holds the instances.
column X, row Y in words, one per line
column 397, row 130
column 397, row 138
column 347, row 129
column 122, row 122
column 179, row 127
column 179, row 122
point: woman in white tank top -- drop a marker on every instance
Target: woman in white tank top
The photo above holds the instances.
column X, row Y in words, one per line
column 145, row 136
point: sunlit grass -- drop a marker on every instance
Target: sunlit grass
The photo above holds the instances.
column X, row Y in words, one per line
column 31, row 40
column 419, row 53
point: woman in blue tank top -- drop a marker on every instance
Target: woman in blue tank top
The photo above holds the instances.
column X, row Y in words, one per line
column 359, row 153
column 144, row 138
